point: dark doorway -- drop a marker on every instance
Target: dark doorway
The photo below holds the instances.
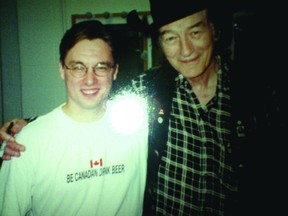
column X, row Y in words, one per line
column 132, row 58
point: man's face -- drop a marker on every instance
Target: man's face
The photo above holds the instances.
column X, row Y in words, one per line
column 188, row 44
column 91, row 91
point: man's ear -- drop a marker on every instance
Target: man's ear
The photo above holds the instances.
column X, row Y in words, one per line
column 216, row 32
column 61, row 71
column 115, row 72
column 217, row 35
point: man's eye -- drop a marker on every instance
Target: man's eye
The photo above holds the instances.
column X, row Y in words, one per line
column 78, row 68
column 195, row 33
column 169, row 40
column 102, row 68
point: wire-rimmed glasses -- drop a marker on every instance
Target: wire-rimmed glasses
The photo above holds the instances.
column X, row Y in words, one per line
column 101, row 69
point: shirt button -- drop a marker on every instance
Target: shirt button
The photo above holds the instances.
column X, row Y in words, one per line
column 160, row 120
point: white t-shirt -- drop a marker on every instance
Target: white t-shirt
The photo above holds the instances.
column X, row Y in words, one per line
column 72, row 168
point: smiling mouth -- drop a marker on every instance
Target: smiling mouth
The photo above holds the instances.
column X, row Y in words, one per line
column 90, row 91
column 191, row 60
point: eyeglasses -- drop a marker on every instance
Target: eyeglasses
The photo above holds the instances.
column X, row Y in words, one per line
column 101, row 69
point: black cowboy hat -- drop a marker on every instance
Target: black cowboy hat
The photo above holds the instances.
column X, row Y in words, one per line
column 164, row 12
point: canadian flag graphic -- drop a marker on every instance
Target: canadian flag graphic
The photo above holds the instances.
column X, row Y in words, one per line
column 96, row 163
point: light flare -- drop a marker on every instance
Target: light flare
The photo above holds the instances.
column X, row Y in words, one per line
column 128, row 113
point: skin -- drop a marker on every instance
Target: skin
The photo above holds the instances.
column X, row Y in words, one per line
column 14, row 149
column 188, row 45
column 87, row 96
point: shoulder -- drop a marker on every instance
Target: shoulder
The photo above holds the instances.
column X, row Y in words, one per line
column 41, row 125
column 147, row 75
column 156, row 76
column 163, row 72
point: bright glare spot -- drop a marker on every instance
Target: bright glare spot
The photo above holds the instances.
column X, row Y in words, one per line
column 128, row 113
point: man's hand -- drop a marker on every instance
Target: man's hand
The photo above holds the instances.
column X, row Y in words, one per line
column 13, row 148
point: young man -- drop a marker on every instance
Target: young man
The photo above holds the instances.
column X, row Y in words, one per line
column 209, row 129
column 77, row 161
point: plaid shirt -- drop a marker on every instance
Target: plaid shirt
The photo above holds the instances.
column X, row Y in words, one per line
column 193, row 175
